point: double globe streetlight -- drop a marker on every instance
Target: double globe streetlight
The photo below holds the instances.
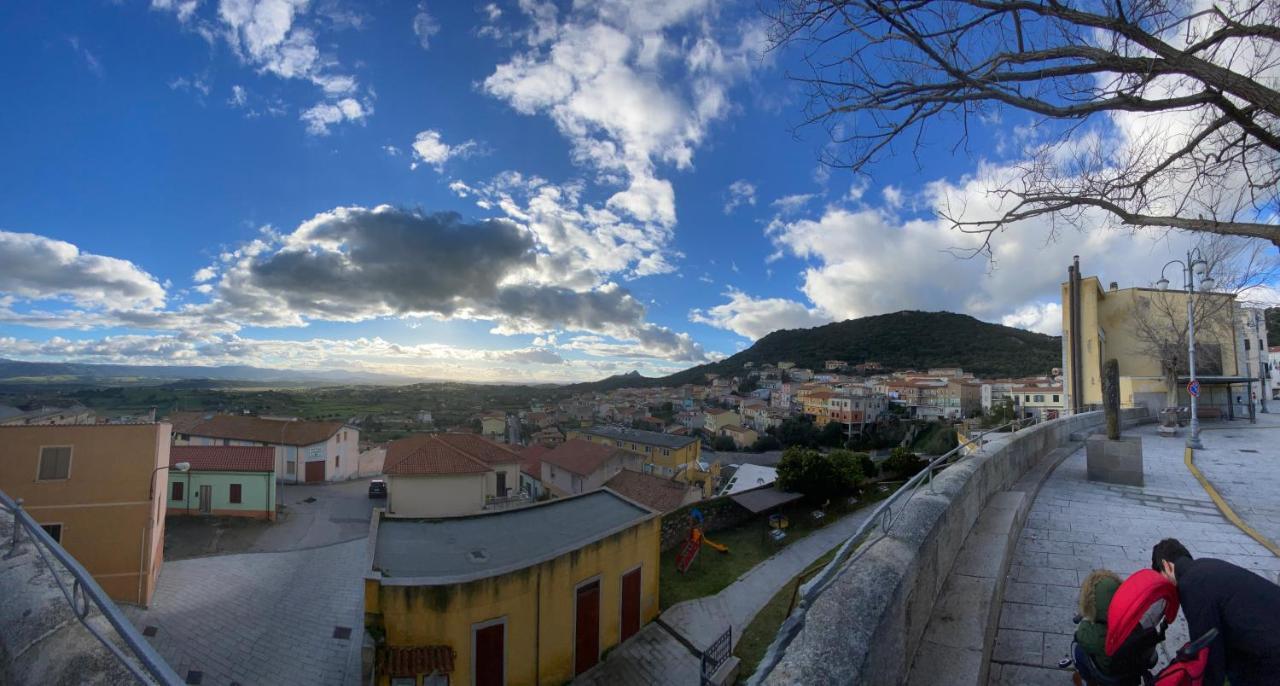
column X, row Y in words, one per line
column 1194, row 266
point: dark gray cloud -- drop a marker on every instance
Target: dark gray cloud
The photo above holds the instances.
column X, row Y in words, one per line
column 35, row 267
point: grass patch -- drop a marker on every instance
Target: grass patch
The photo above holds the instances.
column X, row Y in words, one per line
column 759, row 634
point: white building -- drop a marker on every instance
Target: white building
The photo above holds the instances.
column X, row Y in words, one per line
column 305, row 451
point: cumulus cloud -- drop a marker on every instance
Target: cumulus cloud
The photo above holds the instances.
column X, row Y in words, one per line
column 326, row 114
column 429, row 148
column 33, row 267
column 754, row 318
column 741, row 192
column 1043, row 317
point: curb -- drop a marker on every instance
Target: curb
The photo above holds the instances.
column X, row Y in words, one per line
column 1188, row 457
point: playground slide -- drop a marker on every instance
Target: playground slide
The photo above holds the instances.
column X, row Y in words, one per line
column 717, row 546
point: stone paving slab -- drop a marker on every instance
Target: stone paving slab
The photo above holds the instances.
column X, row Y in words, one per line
column 261, row 618
column 1243, row 464
column 1076, row 525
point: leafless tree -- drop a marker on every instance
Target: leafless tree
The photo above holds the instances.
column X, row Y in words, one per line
column 1159, row 318
column 1149, row 113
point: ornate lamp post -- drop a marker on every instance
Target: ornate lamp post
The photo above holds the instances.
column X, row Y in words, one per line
column 1194, row 266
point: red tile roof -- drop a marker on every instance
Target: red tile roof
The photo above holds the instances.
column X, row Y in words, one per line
column 273, row 431
column 654, row 492
column 224, row 458
column 581, row 456
column 447, row 453
column 531, row 460
column 396, row 661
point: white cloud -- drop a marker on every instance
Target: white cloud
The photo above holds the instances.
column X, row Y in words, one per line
column 788, row 204
column 205, row 274
column 239, row 96
column 326, row 114
column 741, row 192
column 36, row 268
column 429, row 148
column 424, row 26
column 753, row 318
column 90, row 60
column 1045, row 317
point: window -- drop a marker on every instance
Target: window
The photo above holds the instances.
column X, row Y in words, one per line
column 666, row 452
column 337, row 461
column 1039, row 398
column 55, row 463
column 177, row 491
column 226, row 441
column 1055, row 398
column 54, row 531
column 435, row 680
column 404, row 681
column 235, row 493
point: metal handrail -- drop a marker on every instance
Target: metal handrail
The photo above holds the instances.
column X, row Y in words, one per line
column 145, row 663
column 884, row 516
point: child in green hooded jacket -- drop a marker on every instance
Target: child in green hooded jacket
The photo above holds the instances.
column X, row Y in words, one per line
column 1095, row 598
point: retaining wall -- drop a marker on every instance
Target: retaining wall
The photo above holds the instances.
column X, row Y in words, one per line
column 866, row 626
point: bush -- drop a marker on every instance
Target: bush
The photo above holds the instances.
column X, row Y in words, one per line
column 867, row 465
column 766, row 442
column 833, row 434
column 903, row 462
column 819, row 477
column 723, row 443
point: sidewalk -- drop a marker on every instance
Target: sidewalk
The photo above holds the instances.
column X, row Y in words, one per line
column 656, row 656
column 1076, row 525
column 1242, row 461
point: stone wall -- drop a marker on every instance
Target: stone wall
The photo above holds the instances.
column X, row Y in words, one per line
column 718, row 513
column 42, row 642
column 866, row 626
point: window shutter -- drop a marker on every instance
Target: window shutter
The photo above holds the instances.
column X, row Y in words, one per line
column 177, row 491
column 55, row 463
column 235, row 493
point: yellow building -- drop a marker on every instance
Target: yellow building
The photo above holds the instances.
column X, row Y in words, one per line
column 518, row 597
column 664, row 454
column 1111, row 324
column 96, row 490
column 715, row 419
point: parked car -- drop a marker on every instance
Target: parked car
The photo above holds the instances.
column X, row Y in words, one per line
column 377, row 488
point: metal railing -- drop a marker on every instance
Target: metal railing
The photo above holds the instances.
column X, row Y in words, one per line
column 502, row 502
column 84, row 595
column 854, row 546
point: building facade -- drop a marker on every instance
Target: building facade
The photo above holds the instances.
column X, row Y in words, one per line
column 98, row 491
column 304, row 451
column 226, row 481
column 443, row 475
column 534, row 595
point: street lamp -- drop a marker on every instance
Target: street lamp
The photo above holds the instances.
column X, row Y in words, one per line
column 1193, row 267
column 178, row 467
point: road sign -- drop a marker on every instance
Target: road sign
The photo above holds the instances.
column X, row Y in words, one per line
column 1193, row 389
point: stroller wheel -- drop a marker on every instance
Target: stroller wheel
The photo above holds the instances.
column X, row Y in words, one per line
column 1065, row 663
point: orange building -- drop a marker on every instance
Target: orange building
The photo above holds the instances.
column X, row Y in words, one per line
column 96, row 490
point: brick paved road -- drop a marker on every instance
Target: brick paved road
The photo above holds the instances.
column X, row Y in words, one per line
column 1076, row 525
column 261, row 618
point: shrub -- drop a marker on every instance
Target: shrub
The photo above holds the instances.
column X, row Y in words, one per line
column 766, row 442
column 867, row 465
column 819, row 477
column 723, row 443
column 903, row 462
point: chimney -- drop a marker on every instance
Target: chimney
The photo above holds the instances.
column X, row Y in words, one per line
column 1114, row 286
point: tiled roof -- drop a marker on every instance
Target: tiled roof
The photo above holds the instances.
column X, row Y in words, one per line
column 531, row 460
column 654, row 492
column 224, row 458
column 273, row 431
column 396, row 661
column 480, row 448
column 426, row 455
column 638, row 436
column 581, row 456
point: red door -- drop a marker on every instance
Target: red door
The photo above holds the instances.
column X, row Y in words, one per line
column 315, row 471
column 630, row 604
column 587, row 628
column 489, row 655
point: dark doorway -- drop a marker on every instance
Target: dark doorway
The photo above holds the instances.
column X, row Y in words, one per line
column 630, row 603
column 587, row 628
column 490, row 655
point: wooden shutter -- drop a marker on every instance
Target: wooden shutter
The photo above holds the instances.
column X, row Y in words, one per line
column 235, row 493
column 55, row 462
column 177, row 491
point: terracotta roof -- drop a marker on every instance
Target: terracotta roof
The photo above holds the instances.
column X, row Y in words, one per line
column 531, row 460
column 735, row 428
column 480, row 448
column 716, row 411
column 654, row 492
column 224, row 458
column 273, row 431
column 395, row 661
column 183, row 421
column 581, row 456
column 426, row 455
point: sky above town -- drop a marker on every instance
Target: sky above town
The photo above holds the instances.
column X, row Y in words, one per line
column 516, row 191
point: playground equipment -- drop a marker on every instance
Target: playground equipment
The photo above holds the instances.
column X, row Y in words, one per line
column 689, row 551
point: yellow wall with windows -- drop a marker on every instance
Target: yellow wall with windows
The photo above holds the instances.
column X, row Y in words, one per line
column 537, row 604
column 653, row 454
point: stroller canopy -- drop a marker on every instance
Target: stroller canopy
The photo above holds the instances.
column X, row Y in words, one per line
column 1140, row 601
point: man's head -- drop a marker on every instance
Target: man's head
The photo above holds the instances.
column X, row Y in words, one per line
column 1165, row 555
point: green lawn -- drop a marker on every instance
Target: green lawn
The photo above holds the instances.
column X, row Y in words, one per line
column 749, row 545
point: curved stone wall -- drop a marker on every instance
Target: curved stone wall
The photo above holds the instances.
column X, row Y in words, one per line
column 866, row 626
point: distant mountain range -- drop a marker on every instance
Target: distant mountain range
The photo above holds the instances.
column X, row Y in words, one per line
column 902, row 340
column 18, row 372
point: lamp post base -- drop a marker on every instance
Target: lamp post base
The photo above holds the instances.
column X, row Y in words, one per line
column 1194, row 443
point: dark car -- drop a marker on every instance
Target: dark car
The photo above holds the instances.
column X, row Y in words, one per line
column 377, row 488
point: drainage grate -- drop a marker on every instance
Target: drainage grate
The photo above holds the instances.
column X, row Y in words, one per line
column 1247, row 450
column 343, row 632
column 194, row 677
column 149, row 631
column 478, row 555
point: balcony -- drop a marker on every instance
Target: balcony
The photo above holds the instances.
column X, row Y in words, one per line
column 506, row 502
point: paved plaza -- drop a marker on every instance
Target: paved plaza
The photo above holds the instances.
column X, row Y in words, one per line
column 1242, row 461
column 1075, row 526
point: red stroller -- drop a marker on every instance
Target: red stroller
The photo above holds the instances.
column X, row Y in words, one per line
column 1138, row 617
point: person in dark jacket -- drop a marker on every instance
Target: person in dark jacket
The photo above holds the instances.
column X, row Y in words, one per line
column 1242, row 606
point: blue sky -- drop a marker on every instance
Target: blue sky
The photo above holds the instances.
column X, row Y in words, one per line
column 270, row 182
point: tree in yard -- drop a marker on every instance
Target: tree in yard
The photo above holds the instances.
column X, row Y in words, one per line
column 832, row 434
column 903, row 462
column 1149, row 113
column 723, row 443
column 766, row 442
column 819, row 477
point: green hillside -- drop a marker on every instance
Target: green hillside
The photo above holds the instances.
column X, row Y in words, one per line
column 901, row 340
